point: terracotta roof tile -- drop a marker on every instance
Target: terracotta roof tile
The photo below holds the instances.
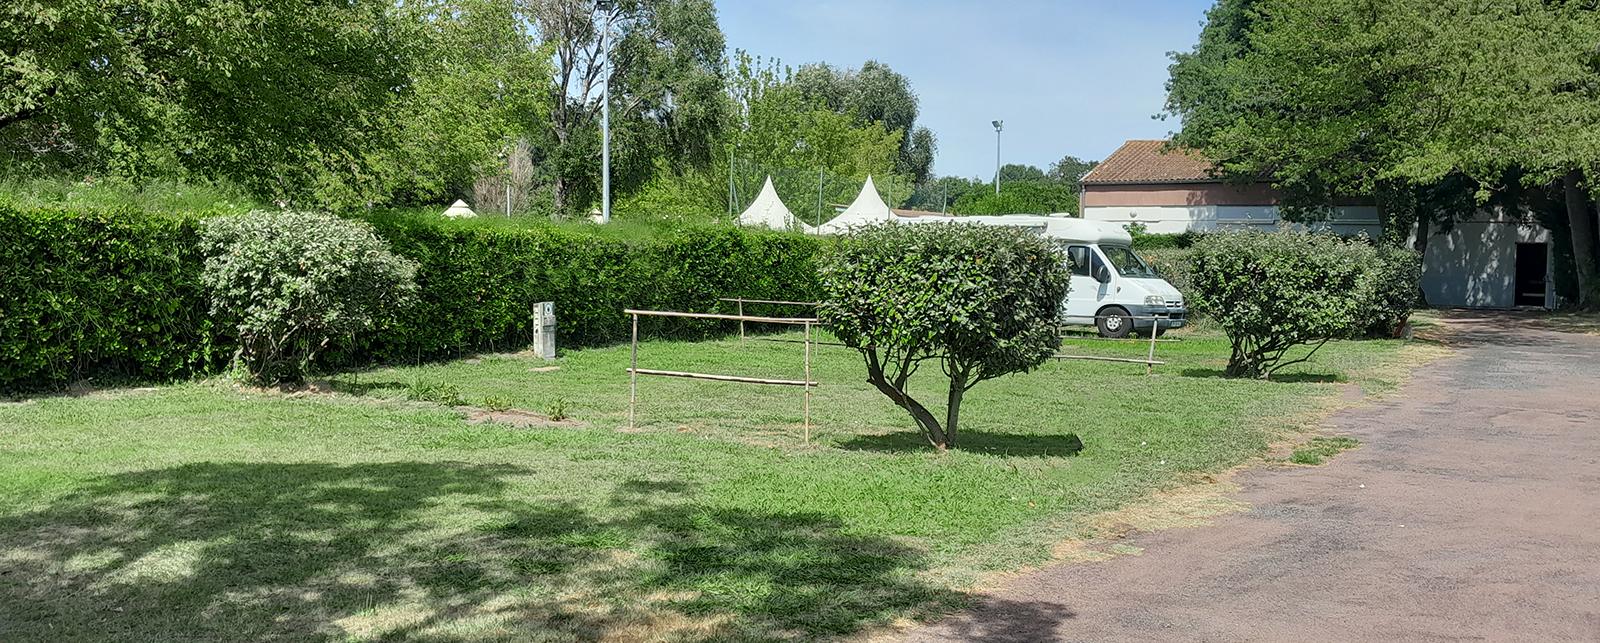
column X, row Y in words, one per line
column 1146, row 161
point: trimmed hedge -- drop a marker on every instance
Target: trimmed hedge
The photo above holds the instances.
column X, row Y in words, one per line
column 118, row 291
column 87, row 292
column 478, row 284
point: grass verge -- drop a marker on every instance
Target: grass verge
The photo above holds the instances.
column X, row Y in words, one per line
column 203, row 511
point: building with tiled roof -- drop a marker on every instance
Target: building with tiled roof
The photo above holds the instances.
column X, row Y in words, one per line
column 1147, row 161
column 1491, row 260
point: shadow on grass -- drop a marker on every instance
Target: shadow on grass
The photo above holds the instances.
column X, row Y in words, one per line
column 358, row 388
column 1006, row 444
column 244, row 551
column 1282, row 378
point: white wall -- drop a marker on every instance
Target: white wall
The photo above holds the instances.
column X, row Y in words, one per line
column 1173, row 219
column 1475, row 263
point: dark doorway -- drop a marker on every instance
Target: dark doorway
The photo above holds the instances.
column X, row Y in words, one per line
column 1532, row 264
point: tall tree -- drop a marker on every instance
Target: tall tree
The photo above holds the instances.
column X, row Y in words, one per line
column 1419, row 103
column 1070, row 169
column 478, row 94
column 666, row 89
column 874, row 93
column 285, row 97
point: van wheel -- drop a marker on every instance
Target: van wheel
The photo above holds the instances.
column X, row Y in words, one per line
column 1114, row 322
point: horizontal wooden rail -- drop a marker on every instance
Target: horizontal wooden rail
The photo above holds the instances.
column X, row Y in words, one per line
column 1146, row 362
column 721, row 378
column 797, row 321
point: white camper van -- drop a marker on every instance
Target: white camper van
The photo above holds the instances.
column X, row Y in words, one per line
column 1112, row 287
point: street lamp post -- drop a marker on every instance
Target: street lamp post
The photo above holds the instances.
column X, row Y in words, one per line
column 998, row 125
column 605, row 118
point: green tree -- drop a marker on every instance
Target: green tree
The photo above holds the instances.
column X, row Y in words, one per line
column 1070, row 170
column 980, row 301
column 1018, row 172
column 477, row 95
column 1020, row 197
column 1421, row 104
column 875, row 93
column 666, row 91
column 287, row 98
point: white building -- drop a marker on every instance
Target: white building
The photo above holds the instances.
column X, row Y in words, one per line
column 1490, row 261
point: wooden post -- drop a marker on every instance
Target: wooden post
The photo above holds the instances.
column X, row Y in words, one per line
column 741, row 315
column 633, row 373
column 1149, row 366
column 808, row 385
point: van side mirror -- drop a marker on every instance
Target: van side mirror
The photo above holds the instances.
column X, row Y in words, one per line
column 1102, row 274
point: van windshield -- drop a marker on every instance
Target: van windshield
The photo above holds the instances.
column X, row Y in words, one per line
column 1128, row 264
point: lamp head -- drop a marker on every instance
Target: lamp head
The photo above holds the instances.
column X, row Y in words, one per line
column 997, row 125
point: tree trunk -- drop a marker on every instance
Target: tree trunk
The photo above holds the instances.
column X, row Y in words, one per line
column 952, row 409
column 1424, row 231
column 924, row 418
column 1582, row 238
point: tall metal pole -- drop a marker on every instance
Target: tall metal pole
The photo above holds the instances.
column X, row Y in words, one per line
column 605, row 129
column 998, row 125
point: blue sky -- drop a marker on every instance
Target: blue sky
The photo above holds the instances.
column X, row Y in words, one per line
column 1067, row 77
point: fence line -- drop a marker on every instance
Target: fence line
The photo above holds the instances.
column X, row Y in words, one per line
column 742, row 301
column 634, row 371
column 1149, row 361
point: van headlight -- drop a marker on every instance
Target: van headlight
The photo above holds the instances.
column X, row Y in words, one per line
column 1154, row 300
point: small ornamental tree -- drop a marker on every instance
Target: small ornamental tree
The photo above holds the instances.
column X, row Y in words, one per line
column 981, row 301
column 293, row 281
column 1273, row 291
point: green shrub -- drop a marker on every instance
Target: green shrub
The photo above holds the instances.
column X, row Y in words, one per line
column 1274, row 291
column 1173, row 265
column 982, row 301
column 88, row 293
column 1143, row 240
column 1391, row 290
column 291, row 282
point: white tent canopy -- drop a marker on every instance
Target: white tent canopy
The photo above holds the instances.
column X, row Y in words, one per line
column 459, row 209
column 867, row 209
column 769, row 211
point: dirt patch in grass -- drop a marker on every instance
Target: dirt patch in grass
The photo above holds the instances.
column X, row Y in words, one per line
column 1190, row 505
column 519, row 418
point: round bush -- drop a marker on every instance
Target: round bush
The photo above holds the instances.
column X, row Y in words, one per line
column 294, row 281
column 982, row 301
column 1273, row 291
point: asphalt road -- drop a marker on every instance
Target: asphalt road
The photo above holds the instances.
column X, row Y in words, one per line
column 1471, row 510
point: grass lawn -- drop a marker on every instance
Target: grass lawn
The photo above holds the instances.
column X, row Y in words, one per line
column 203, row 511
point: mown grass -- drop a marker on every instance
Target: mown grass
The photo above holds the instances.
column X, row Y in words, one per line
column 205, row 511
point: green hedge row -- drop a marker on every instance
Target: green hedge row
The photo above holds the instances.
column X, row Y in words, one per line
column 478, row 284
column 1148, row 241
column 83, row 293
column 111, row 290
